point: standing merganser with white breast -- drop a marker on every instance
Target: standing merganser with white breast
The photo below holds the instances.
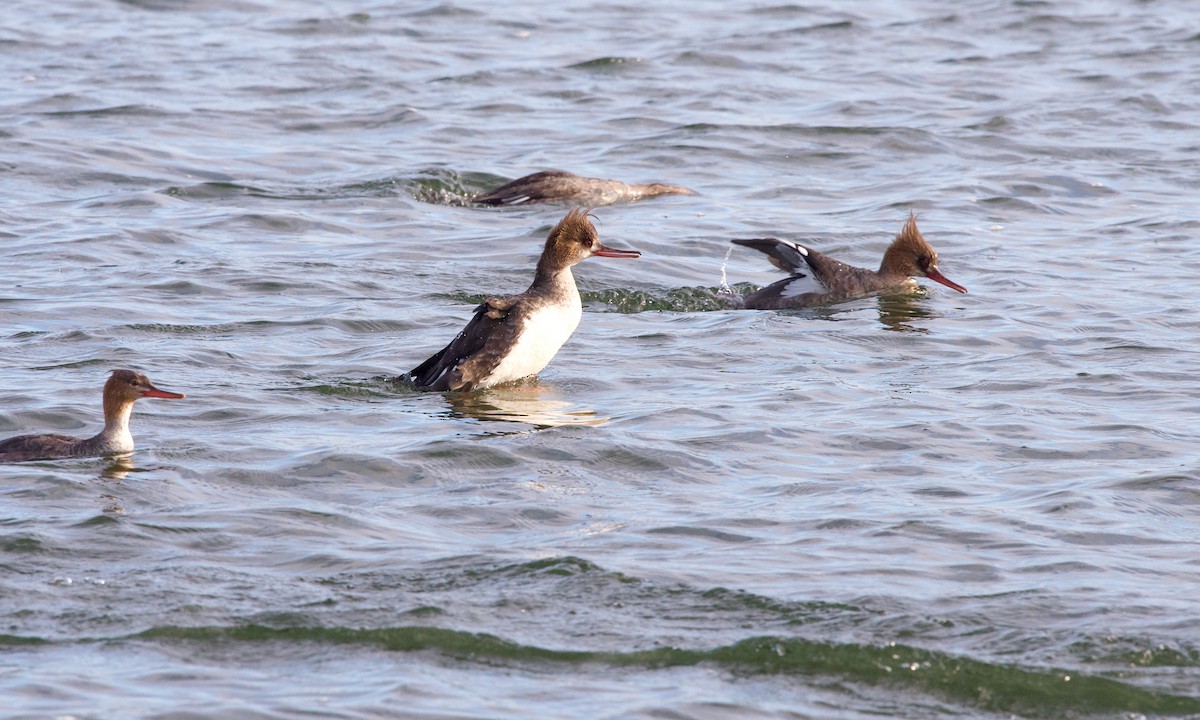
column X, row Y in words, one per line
column 562, row 186
column 818, row 279
column 123, row 388
column 515, row 337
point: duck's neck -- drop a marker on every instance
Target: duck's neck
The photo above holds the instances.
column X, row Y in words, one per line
column 557, row 283
column 889, row 267
column 115, row 437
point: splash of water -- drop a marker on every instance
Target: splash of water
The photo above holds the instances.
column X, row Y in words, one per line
column 725, row 289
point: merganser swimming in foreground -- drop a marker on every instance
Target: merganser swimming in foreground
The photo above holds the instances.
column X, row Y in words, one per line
column 818, row 279
column 123, row 388
column 516, row 336
column 557, row 185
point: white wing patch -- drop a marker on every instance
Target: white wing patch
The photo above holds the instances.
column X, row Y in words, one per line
column 803, row 285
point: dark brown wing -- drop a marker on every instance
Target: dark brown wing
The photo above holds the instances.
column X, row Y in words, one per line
column 35, row 447
column 545, row 185
column 816, row 278
column 802, row 289
column 473, row 353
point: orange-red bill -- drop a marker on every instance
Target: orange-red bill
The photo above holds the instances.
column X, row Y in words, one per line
column 156, row 393
column 613, row 252
column 936, row 276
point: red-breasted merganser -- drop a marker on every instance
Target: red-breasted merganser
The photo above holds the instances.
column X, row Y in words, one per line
column 557, row 185
column 515, row 337
column 818, row 279
column 123, row 388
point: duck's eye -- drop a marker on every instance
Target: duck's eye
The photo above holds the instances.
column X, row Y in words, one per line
column 924, row 261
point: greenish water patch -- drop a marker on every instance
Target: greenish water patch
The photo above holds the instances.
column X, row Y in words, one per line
column 213, row 191
column 17, row 640
column 217, row 330
column 1000, row 688
column 628, row 302
column 97, row 521
column 691, row 299
column 568, row 565
column 447, row 187
column 25, row 544
column 349, row 389
column 724, row 599
column 605, row 63
column 1134, row 652
column 132, row 110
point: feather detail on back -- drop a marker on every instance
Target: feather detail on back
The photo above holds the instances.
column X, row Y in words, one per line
column 36, row 447
column 561, row 186
column 545, row 185
column 467, row 360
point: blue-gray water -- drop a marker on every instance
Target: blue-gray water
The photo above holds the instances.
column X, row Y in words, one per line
column 936, row 505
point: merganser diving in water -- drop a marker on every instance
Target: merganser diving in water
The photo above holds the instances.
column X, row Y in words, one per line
column 122, row 389
column 818, row 279
column 557, row 185
column 516, row 336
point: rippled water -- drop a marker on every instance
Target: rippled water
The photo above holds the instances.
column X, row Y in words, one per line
column 931, row 505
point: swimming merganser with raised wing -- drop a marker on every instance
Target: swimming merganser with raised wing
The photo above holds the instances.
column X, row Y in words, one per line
column 818, row 279
column 123, row 388
column 515, row 337
column 558, row 185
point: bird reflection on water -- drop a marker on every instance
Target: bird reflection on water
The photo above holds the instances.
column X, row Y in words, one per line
column 526, row 403
column 897, row 311
column 118, row 469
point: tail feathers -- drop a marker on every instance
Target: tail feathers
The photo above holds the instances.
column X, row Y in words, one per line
column 786, row 256
column 427, row 374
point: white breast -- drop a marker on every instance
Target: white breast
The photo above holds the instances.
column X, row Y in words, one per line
column 544, row 332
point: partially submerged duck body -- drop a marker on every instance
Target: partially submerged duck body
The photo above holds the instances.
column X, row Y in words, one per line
column 123, row 388
column 817, row 279
column 560, row 186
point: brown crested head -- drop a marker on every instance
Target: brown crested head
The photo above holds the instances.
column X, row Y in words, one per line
column 911, row 255
column 125, row 386
column 575, row 239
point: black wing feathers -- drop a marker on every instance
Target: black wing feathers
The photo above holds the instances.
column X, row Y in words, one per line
column 783, row 255
column 472, row 354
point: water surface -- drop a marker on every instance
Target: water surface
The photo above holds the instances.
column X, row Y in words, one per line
column 925, row 505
